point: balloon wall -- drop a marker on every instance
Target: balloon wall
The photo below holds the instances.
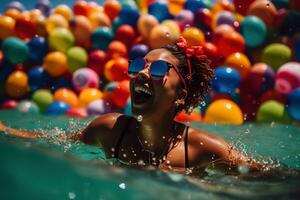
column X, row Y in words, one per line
column 73, row 59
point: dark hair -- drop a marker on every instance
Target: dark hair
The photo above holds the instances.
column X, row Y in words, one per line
column 202, row 73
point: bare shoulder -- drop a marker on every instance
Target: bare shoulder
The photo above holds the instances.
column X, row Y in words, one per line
column 105, row 121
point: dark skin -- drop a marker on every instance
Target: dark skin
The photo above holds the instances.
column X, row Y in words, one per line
column 156, row 132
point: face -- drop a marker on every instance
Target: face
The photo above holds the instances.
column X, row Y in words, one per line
column 152, row 95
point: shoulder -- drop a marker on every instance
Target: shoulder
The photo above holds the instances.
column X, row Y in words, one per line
column 105, row 121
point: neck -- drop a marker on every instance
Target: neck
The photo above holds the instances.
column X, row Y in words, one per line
column 156, row 131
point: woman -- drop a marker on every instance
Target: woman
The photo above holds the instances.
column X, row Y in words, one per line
column 164, row 82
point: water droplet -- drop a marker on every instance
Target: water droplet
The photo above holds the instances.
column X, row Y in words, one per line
column 113, row 149
column 122, row 186
column 179, row 137
column 243, row 169
column 247, row 131
column 139, row 118
column 167, row 34
column 72, row 195
column 168, row 162
column 187, row 26
column 201, row 143
column 163, row 137
column 146, row 142
column 124, row 155
column 141, row 162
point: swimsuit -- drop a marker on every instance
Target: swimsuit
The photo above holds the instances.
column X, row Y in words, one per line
column 126, row 131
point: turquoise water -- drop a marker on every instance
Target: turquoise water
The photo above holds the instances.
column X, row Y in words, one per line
column 59, row 169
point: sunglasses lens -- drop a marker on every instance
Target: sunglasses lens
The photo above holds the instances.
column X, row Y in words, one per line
column 135, row 66
column 159, row 68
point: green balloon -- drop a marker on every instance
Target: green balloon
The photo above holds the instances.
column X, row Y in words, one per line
column 61, row 39
column 272, row 111
column 42, row 98
column 77, row 58
column 276, row 54
column 15, row 50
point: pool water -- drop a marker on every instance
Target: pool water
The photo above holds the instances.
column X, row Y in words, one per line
column 59, row 169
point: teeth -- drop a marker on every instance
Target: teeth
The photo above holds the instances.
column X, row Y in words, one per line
column 142, row 89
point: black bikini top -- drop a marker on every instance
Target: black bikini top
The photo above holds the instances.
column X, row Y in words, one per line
column 126, row 131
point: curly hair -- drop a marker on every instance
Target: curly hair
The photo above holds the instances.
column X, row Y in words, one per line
column 202, row 74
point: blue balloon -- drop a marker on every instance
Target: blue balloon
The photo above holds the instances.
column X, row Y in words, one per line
column 38, row 48
column 226, row 80
column 101, row 38
column 195, row 5
column 293, row 104
column 5, row 69
column 58, row 108
column 129, row 15
column 44, row 6
column 160, row 11
column 61, row 83
column 38, row 78
column 138, row 50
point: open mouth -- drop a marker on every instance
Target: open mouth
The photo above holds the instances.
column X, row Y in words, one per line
column 142, row 93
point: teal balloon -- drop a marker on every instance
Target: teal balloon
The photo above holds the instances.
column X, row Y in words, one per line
column 102, row 37
column 254, row 31
column 115, row 24
column 15, row 50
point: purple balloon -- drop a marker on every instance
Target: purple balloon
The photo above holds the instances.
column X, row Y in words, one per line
column 98, row 107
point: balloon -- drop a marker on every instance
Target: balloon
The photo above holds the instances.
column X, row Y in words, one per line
column 101, row 38
column 85, row 78
column 77, row 112
column 99, row 19
column 192, row 117
column 64, row 11
column 288, row 77
column 230, row 42
column 42, row 98
column 226, row 80
column 96, row 61
column 194, row 36
column 195, row 5
column 77, row 58
column 172, row 25
column 293, row 104
column 61, row 39
column 242, row 6
column 184, row 19
column 121, row 94
column 82, row 29
column 116, row 49
column 112, row 8
column 203, row 17
column 98, row 107
column 55, row 63
column 44, row 6
column 88, row 95
column 61, row 82
column 125, row 34
column 55, row 21
column 9, row 104
column 7, row 25
column 17, row 84
column 159, row 10
column 145, row 24
column 117, row 70
column 15, row 5
column 67, row 96
column 160, row 36
column 129, row 15
column 57, row 108
column 271, row 111
column 38, row 78
column 38, row 48
column 265, row 10
column 81, row 8
column 240, row 62
column 25, row 28
column 223, row 17
column 276, row 54
column 14, row 46
column 254, row 31
column 223, row 111
column 27, row 106
column 138, row 51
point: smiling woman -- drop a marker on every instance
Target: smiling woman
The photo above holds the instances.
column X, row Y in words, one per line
column 164, row 82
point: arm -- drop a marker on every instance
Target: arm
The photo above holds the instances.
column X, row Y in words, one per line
column 21, row 133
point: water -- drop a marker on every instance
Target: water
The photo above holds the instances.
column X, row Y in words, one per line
column 59, row 169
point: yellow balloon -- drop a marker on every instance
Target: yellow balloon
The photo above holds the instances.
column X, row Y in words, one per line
column 56, row 63
column 64, row 11
column 223, row 111
column 194, row 36
column 87, row 95
column 17, row 84
column 145, row 24
column 172, row 25
column 56, row 21
column 160, row 36
column 7, row 26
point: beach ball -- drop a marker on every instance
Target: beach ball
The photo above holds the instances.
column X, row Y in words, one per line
column 67, row 96
column 61, row 39
column 98, row 107
column 160, row 36
column 288, row 77
column 101, row 38
column 44, row 6
column 96, row 61
column 17, row 84
column 240, row 62
column 195, row 5
column 116, row 49
column 265, row 10
column 184, row 18
column 145, row 24
column 261, row 78
column 117, row 70
column 81, row 8
column 223, row 111
column 77, row 112
column 254, row 31
column 99, row 19
column 88, row 95
column 293, row 104
column 121, row 94
column 112, row 8
column 42, row 98
column 25, row 28
column 129, row 15
column 159, row 10
column 38, row 48
column 172, row 25
column 230, row 43
column 138, row 51
column 55, row 21
column 7, row 26
column 27, row 106
column 226, row 80
column 85, row 78
column 82, row 29
column 55, row 63
column 57, row 108
column 242, row 6
column 11, row 47
column 297, row 49
column 38, row 78
column 77, row 58
column 64, row 11
column 276, row 54
column 125, row 34
column 15, row 5
column 194, row 36
column 272, row 111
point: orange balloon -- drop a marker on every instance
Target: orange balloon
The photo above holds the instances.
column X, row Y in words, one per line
column 56, row 63
column 87, row 95
column 263, row 9
column 99, row 19
column 17, row 84
column 64, row 11
column 56, row 21
column 82, row 30
column 160, row 36
column 145, row 24
column 82, row 8
column 194, row 36
column 230, row 43
column 240, row 62
column 7, row 26
column 184, row 117
column 175, row 6
column 112, row 8
column 67, row 96
column 116, row 69
column 13, row 13
column 116, row 49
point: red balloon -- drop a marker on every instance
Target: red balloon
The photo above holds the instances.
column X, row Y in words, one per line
column 25, row 28
column 96, row 61
column 231, row 43
column 242, row 6
column 126, row 35
column 121, row 94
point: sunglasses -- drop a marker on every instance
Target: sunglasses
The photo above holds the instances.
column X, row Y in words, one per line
column 158, row 69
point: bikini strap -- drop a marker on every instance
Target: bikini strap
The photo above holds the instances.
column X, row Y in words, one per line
column 119, row 142
column 186, row 158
